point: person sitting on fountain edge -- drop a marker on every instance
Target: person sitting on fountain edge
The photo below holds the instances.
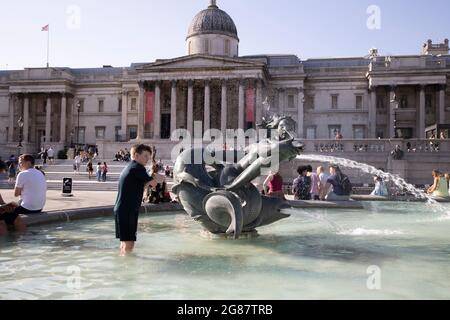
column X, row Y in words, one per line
column 439, row 189
column 338, row 186
column 132, row 182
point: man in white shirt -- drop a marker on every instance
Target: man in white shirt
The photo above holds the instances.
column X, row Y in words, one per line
column 51, row 155
column 31, row 187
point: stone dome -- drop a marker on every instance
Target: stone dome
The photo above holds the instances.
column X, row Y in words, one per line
column 213, row 20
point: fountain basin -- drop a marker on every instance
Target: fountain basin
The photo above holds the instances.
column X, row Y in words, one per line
column 303, row 257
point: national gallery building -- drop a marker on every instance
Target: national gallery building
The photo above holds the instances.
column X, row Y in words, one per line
column 361, row 98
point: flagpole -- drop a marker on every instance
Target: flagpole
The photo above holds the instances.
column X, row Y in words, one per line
column 48, row 46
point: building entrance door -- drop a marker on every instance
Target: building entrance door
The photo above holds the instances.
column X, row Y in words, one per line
column 40, row 138
column 165, row 126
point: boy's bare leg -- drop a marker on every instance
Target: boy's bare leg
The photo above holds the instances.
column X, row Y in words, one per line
column 3, row 229
column 126, row 247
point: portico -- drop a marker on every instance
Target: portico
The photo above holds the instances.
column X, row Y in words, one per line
column 222, row 93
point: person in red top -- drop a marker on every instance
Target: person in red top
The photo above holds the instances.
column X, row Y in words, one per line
column 273, row 186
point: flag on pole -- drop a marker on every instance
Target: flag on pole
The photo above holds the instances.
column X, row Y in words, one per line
column 47, row 29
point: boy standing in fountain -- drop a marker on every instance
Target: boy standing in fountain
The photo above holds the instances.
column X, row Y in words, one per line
column 133, row 180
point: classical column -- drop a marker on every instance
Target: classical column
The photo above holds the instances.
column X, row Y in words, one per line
column 62, row 132
column 26, row 118
column 442, row 105
column 173, row 107
column 190, row 107
column 207, row 115
column 421, row 126
column 12, row 99
column 157, row 116
column 124, row 118
column 48, row 120
column 373, row 114
column 224, row 108
column 301, row 113
column 281, row 101
column 140, row 132
column 241, row 109
column 392, row 116
column 259, row 101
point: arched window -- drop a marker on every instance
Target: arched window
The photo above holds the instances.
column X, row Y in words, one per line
column 189, row 47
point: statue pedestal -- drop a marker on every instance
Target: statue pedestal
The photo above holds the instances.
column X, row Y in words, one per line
column 398, row 167
column 222, row 236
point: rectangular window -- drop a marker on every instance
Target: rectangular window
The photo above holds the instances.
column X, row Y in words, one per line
column 380, row 103
column 311, row 133
column 206, row 45
column 117, row 133
column 359, row 132
column 359, row 102
column 80, row 134
column 334, row 130
column 291, row 102
column 80, row 104
column 380, row 132
column 7, row 134
column 404, row 102
column 120, row 106
column 101, row 105
column 227, row 47
column 100, row 132
column 334, row 101
column 132, row 132
column 133, row 104
column 309, row 102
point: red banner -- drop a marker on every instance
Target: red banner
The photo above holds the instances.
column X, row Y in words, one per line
column 250, row 105
column 149, row 104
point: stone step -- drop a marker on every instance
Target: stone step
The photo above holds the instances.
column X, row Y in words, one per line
column 78, row 185
column 79, row 177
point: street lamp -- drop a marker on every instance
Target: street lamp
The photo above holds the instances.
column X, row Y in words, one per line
column 396, row 103
column 78, row 128
column 71, row 138
column 20, row 123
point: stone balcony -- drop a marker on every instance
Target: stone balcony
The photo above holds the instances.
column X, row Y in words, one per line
column 408, row 63
column 414, row 146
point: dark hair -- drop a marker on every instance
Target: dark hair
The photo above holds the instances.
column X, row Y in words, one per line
column 27, row 158
column 99, row 164
column 437, row 173
column 140, row 148
column 309, row 168
column 302, row 169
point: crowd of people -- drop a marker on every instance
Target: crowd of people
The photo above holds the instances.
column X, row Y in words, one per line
column 312, row 185
column 123, row 156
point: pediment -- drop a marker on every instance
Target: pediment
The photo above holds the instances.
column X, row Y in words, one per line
column 200, row 61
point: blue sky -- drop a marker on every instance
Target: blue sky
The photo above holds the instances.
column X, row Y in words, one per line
column 121, row 32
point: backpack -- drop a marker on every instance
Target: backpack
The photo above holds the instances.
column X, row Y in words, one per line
column 302, row 188
column 346, row 185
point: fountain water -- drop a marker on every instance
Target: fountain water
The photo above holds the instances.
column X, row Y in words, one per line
column 398, row 181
